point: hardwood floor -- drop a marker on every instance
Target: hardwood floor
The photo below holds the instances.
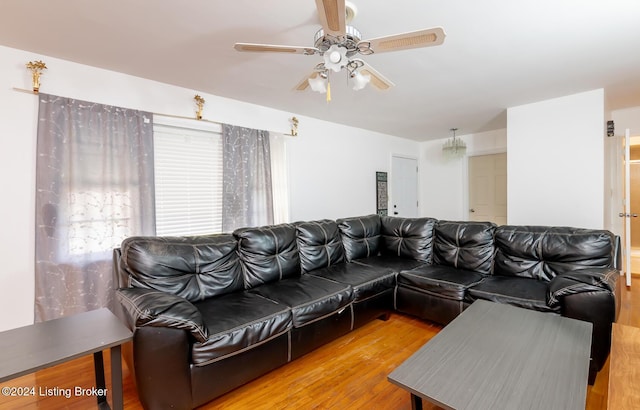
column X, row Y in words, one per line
column 348, row 373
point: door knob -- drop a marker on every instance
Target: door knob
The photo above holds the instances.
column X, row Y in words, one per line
column 472, row 210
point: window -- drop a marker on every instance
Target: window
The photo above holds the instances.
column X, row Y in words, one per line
column 98, row 221
column 188, row 177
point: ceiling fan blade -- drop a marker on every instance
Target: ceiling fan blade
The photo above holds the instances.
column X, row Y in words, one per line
column 377, row 80
column 332, row 16
column 415, row 39
column 304, row 84
column 270, row 48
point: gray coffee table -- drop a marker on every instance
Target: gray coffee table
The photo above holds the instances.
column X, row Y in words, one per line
column 496, row 356
column 30, row 348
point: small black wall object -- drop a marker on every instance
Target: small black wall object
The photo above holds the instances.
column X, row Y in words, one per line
column 610, row 128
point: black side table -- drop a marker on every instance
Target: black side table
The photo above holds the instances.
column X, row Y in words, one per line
column 30, row 348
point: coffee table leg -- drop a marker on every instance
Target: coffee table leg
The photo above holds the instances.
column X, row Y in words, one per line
column 116, row 377
column 416, row 402
column 98, row 366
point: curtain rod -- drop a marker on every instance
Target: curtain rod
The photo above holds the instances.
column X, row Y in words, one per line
column 292, row 133
column 22, row 90
column 184, row 117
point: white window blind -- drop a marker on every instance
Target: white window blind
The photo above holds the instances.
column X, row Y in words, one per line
column 188, row 178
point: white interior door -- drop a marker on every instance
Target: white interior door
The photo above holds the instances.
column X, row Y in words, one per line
column 627, row 213
column 404, row 187
column 621, row 194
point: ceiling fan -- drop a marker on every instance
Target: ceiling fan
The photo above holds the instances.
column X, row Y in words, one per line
column 339, row 43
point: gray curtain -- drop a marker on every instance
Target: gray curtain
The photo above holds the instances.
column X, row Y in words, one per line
column 94, row 187
column 247, row 198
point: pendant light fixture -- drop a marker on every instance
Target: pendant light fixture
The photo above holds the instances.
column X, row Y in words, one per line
column 454, row 148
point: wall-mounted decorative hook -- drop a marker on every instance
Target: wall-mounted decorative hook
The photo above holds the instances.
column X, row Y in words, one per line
column 36, row 68
column 200, row 103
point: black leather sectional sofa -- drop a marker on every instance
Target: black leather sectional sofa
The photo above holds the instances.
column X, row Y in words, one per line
column 210, row 313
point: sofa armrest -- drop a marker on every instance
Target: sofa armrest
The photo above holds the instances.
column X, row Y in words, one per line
column 580, row 281
column 597, row 301
column 149, row 307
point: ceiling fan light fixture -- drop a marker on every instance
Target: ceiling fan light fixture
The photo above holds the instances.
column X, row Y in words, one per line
column 335, row 58
column 318, row 84
column 360, row 80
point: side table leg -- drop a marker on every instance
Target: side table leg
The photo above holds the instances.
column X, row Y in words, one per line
column 416, row 402
column 116, row 377
column 98, row 366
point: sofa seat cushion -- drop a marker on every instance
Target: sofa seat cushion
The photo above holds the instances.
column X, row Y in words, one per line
column 237, row 322
column 310, row 297
column 522, row 292
column 366, row 281
column 395, row 263
column 440, row 280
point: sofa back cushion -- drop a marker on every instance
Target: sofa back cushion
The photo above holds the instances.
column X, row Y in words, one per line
column 319, row 244
column 410, row 238
column 465, row 245
column 192, row 267
column 268, row 253
column 543, row 252
column 360, row 236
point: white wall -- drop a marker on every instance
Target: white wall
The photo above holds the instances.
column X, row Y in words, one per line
column 332, row 169
column 627, row 118
column 444, row 184
column 331, row 174
column 556, row 161
column 18, row 123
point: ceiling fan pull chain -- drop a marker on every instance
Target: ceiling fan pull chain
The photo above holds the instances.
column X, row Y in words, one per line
column 328, row 91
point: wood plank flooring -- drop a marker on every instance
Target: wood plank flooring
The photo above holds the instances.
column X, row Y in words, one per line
column 624, row 366
column 350, row 372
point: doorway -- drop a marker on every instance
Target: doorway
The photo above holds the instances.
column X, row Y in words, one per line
column 623, row 206
column 488, row 188
column 404, row 187
column 634, row 202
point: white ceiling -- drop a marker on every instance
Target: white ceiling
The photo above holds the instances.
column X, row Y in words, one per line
column 497, row 53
